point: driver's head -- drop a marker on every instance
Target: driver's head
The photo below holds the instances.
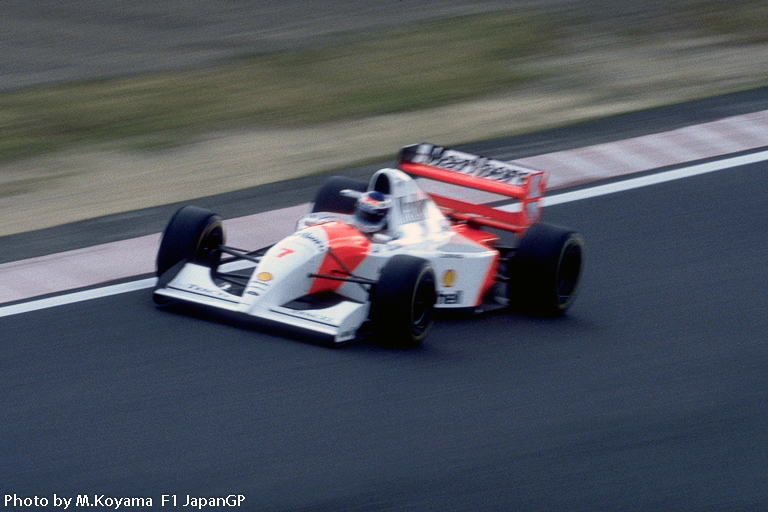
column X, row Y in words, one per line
column 371, row 212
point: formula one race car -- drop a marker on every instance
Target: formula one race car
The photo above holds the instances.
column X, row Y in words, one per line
column 377, row 258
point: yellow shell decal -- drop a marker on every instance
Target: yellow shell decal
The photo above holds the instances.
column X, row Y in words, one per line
column 264, row 276
column 449, row 277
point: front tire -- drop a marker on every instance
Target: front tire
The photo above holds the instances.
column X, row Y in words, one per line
column 403, row 301
column 546, row 270
column 193, row 234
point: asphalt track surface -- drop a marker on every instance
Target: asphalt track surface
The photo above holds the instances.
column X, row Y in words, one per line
column 650, row 394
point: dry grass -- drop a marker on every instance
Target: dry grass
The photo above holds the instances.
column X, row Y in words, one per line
column 408, row 68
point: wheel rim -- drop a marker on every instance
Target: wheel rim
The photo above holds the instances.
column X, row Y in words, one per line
column 210, row 240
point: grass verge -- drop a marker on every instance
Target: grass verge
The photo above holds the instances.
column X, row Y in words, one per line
column 409, row 67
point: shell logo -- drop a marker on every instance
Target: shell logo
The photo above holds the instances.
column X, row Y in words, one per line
column 264, row 276
column 449, row 278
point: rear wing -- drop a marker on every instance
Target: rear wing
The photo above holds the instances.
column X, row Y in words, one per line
column 480, row 173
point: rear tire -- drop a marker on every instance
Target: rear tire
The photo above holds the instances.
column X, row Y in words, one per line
column 193, row 234
column 403, row 301
column 546, row 270
column 329, row 198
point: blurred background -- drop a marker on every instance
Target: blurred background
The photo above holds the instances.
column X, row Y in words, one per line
column 108, row 106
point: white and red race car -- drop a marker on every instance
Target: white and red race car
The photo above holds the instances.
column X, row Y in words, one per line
column 378, row 258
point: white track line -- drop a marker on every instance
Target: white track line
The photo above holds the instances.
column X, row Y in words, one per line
column 567, row 197
column 71, row 298
column 654, row 179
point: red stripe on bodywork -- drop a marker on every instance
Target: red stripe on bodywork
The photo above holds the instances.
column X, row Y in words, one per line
column 486, row 241
column 467, row 180
column 481, row 214
column 347, row 248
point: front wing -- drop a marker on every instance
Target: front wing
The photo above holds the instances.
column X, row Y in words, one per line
column 336, row 318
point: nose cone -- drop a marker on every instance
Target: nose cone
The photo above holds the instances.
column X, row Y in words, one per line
column 330, row 249
column 283, row 272
column 346, row 249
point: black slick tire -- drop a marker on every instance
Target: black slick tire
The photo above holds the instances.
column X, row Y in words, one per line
column 546, row 270
column 193, row 234
column 403, row 301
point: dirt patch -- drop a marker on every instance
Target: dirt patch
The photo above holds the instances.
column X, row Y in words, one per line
column 599, row 78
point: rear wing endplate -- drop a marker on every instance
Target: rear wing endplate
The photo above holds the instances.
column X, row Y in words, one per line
column 447, row 165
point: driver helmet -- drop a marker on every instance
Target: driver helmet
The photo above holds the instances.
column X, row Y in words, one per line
column 371, row 212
